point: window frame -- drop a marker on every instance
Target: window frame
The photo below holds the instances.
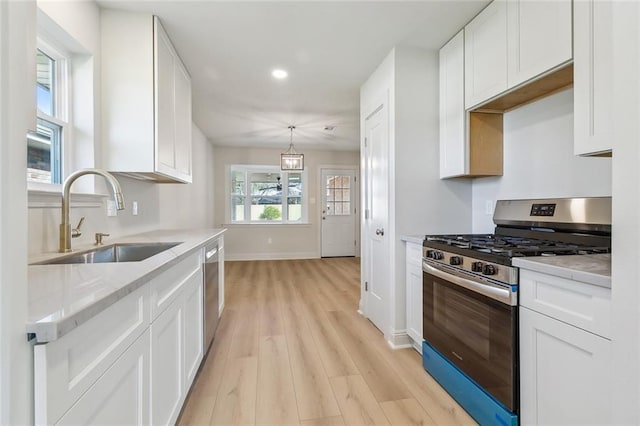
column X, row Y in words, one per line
column 62, row 114
column 247, row 169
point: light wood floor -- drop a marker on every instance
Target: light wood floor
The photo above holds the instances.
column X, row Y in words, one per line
column 291, row 349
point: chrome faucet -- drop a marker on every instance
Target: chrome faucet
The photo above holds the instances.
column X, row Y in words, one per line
column 65, row 226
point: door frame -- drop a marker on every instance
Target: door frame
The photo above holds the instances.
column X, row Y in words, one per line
column 355, row 168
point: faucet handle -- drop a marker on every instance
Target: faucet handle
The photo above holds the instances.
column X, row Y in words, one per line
column 75, row 232
column 99, row 236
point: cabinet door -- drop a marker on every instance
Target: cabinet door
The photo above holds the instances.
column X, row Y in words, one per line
column 165, row 99
column 193, row 329
column 182, row 150
column 538, row 37
column 220, row 275
column 485, row 54
column 453, row 141
column 414, row 293
column 565, row 373
column 593, row 76
column 167, row 391
column 121, row 395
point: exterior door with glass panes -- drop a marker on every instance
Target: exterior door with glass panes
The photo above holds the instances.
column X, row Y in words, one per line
column 338, row 212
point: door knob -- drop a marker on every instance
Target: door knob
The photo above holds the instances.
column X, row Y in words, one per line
column 380, row 231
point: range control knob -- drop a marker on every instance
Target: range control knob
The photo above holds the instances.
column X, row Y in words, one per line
column 437, row 255
column 489, row 270
column 477, row 266
column 429, row 254
column 455, row 260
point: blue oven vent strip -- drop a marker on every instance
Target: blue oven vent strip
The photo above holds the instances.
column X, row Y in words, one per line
column 476, row 401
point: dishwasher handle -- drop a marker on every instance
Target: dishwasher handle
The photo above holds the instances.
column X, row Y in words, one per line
column 211, row 253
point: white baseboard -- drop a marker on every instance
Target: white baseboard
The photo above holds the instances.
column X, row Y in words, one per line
column 399, row 339
column 271, row 256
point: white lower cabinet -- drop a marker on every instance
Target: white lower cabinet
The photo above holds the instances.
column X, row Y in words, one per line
column 565, row 351
column 193, row 331
column 121, row 395
column 131, row 364
column 414, row 293
column 166, row 365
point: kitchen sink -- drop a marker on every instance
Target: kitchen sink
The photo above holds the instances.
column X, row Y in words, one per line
column 125, row 252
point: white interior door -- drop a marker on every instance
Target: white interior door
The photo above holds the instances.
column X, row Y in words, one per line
column 376, row 255
column 338, row 212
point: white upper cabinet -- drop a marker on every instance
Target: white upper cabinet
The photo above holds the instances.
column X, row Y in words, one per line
column 485, row 54
column 452, row 112
column 470, row 142
column 593, row 77
column 512, row 43
column 538, row 38
column 146, row 94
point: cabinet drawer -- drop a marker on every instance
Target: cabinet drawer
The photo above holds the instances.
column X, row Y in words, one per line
column 64, row 369
column 583, row 305
column 414, row 253
column 166, row 287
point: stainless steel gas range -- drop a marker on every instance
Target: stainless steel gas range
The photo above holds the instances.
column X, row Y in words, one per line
column 470, row 295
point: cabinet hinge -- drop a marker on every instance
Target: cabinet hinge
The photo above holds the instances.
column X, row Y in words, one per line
column 355, row 242
column 366, row 286
column 366, row 213
column 365, row 141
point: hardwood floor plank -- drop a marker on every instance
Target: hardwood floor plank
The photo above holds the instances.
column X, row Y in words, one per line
column 325, row 421
column 357, row 403
column 276, row 400
column 375, row 370
column 332, row 352
column 236, row 399
column 313, row 391
column 406, row 412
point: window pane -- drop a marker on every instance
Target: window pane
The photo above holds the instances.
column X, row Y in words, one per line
column 346, row 195
column 238, row 182
column 45, row 68
column 346, row 208
column 294, row 208
column 264, row 212
column 237, row 208
column 44, row 153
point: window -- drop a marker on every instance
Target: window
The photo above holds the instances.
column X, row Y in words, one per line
column 45, row 144
column 264, row 194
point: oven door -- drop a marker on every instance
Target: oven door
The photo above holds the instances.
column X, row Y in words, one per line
column 473, row 323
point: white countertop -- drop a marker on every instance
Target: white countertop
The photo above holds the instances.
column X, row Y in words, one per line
column 416, row 239
column 588, row 268
column 61, row 297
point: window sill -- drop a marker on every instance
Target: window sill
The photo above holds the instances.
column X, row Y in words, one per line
column 49, row 196
column 259, row 224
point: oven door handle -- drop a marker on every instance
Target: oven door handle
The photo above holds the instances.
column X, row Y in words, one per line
column 501, row 294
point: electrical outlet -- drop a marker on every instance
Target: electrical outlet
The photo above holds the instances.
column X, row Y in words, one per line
column 111, row 208
column 134, row 208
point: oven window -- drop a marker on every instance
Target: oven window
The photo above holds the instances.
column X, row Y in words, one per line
column 464, row 317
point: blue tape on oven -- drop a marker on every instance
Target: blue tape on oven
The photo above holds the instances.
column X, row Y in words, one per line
column 476, row 401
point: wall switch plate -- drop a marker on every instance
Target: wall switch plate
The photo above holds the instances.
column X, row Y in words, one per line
column 111, row 208
column 134, row 208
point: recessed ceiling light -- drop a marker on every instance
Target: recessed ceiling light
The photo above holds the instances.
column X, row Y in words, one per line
column 279, row 74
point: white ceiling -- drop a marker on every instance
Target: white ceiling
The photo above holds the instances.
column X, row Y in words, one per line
column 329, row 48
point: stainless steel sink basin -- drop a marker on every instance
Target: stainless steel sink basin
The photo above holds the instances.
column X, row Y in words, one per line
column 127, row 252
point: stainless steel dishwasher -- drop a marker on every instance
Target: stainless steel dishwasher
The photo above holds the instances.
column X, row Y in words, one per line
column 211, row 284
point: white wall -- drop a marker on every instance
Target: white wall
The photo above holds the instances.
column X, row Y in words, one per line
column 17, row 115
column 539, row 160
column 424, row 204
column 625, row 267
column 244, row 242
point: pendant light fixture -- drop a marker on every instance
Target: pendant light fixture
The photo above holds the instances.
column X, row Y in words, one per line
column 291, row 159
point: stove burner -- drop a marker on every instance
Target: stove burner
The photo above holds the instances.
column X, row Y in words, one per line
column 512, row 246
